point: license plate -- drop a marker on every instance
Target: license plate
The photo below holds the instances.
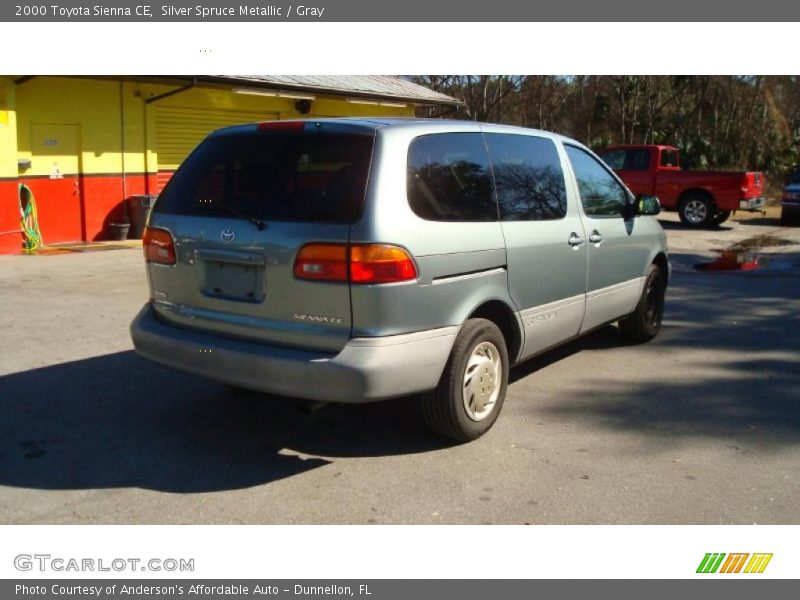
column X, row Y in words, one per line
column 234, row 281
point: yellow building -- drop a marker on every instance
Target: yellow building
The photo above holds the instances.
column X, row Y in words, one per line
column 84, row 145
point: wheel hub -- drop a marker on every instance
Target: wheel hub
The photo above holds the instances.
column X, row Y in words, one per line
column 481, row 385
column 695, row 211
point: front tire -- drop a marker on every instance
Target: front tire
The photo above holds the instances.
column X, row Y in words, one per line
column 472, row 388
column 697, row 210
column 644, row 323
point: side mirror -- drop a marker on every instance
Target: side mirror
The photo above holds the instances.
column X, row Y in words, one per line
column 648, row 205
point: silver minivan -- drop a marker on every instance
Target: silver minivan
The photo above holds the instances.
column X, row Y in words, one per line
column 352, row 260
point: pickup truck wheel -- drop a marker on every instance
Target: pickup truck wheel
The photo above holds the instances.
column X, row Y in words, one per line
column 787, row 219
column 696, row 210
column 644, row 323
column 721, row 216
column 472, row 389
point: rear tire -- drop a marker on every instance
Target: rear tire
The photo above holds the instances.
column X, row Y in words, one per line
column 722, row 216
column 644, row 323
column 472, row 388
column 788, row 219
column 697, row 210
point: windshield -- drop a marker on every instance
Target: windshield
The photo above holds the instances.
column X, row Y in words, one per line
column 274, row 177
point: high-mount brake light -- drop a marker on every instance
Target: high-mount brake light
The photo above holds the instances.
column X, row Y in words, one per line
column 280, row 125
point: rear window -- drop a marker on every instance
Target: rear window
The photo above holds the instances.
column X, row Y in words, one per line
column 448, row 178
column 669, row 158
column 274, row 177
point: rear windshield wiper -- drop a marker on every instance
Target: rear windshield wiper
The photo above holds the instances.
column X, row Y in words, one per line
column 260, row 225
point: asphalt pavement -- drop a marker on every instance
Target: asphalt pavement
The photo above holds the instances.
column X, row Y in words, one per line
column 702, row 425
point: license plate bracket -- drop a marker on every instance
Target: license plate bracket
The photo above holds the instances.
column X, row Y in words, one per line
column 238, row 277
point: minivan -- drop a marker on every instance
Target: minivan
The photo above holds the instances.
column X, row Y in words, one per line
column 360, row 259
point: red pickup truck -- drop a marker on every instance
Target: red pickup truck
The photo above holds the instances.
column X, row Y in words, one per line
column 702, row 198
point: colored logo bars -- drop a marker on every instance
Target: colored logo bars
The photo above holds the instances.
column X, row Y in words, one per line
column 734, row 562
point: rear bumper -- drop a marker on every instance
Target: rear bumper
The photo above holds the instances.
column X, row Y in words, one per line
column 752, row 203
column 366, row 369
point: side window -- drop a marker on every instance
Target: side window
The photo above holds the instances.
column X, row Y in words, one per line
column 448, row 178
column 601, row 194
column 614, row 159
column 637, row 160
column 528, row 177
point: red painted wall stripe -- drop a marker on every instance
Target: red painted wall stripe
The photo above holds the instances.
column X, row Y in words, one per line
column 10, row 238
column 68, row 217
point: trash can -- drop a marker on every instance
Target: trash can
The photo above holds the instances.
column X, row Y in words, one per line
column 119, row 231
column 139, row 209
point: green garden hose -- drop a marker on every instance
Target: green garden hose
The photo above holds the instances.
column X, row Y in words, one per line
column 29, row 221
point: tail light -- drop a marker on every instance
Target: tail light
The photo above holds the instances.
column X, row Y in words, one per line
column 158, row 246
column 374, row 263
column 322, row 262
column 357, row 263
column 752, row 184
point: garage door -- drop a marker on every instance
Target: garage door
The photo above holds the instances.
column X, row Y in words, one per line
column 179, row 130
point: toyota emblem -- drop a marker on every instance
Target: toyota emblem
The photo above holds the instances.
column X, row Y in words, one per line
column 227, row 235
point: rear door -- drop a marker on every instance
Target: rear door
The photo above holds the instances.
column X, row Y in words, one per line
column 545, row 242
column 239, row 209
column 668, row 186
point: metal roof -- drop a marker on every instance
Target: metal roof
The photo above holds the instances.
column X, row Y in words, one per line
column 381, row 87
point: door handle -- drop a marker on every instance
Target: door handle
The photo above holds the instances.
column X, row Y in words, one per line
column 595, row 238
column 574, row 240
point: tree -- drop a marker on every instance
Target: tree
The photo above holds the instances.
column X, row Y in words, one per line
column 743, row 122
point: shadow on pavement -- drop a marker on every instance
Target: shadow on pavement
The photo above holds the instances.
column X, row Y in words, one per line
column 120, row 421
column 677, row 225
column 746, row 325
column 762, row 221
column 600, row 339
